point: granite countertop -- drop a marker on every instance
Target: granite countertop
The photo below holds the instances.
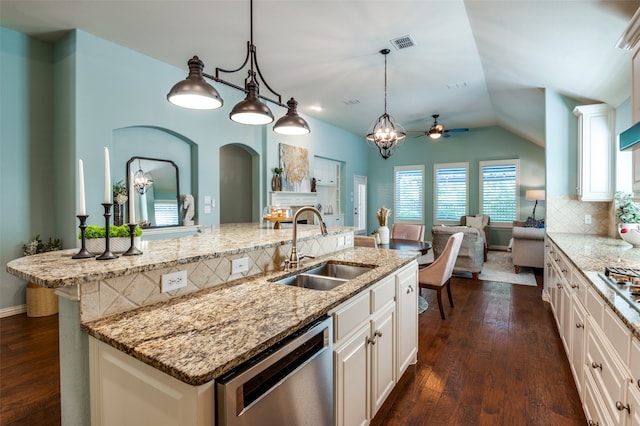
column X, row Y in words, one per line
column 590, row 254
column 199, row 336
column 58, row 269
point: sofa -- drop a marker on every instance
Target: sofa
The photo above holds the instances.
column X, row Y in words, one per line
column 481, row 223
column 527, row 246
column 471, row 254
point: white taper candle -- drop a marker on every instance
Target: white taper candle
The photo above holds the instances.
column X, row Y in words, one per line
column 83, row 209
column 132, row 195
column 107, row 177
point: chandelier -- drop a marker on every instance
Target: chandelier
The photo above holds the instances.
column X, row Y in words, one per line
column 195, row 93
column 141, row 181
column 386, row 135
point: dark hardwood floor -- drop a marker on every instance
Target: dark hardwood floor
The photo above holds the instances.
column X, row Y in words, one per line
column 496, row 360
column 29, row 371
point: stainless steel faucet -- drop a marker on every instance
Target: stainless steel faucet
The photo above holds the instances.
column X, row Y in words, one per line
column 295, row 258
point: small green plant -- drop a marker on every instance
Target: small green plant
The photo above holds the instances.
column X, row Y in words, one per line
column 277, row 170
column 36, row 246
column 95, row 231
column 627, row 211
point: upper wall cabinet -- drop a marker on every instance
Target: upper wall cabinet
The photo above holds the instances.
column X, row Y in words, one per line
column 326, row 172
column 595, row 152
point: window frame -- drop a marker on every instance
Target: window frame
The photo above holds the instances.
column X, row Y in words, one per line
column 421, row 169
column 481, row 165
column 437, row 166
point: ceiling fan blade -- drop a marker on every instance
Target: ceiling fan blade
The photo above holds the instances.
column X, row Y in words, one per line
column 458, row 130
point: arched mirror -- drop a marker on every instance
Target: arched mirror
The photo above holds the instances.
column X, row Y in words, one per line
column 156, row 192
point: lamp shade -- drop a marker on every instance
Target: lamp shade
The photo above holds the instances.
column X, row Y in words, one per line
column 194, row 92
column 535, row 194
column 291, row 123
column 251, row 110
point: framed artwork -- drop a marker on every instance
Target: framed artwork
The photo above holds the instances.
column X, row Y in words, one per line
column 294, row 162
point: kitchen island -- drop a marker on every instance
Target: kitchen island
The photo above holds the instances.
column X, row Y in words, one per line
column 218, row 321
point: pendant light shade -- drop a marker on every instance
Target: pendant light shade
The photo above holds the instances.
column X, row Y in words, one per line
column 251, row 110
column 194, row 92
column 386, row 134
column 292, row 123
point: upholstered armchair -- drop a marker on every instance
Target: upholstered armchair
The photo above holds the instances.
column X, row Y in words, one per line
column 481, row 223
column 471, row 254
column 527, row 247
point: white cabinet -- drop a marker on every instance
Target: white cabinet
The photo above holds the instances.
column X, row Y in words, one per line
column 333, row 219
column 407, row 300
column 125, row 391
column 595, row 152
column 326, row 172
column 578, row 339
column 328, row 186
column 376, row 339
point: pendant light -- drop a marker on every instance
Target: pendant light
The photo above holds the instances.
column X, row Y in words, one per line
column 386, row 135
column 141, row 181
column 195, row 92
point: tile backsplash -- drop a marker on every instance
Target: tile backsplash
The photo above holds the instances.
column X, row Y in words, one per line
column 565, row 213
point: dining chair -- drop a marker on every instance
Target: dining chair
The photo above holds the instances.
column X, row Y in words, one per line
column 364, row 241
column 406, row 231
column 438, row 274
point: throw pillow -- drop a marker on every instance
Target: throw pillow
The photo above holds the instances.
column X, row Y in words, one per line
column 534, row 223
column 474, row 221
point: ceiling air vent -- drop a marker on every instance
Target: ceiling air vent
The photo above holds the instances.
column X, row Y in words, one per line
column 403, row 42
column 351, row 102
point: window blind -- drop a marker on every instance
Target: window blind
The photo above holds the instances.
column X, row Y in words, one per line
column 450, row 193
column 409, row 189
column 499, row 191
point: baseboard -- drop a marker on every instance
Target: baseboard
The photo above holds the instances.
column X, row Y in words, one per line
column 13, row 310
column 498, row 248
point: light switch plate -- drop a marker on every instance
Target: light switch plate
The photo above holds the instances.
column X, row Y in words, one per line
column 207, row 209
column 207, row 200
column 174, row 281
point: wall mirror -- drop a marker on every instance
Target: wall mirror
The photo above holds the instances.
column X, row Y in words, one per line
column 156, row 192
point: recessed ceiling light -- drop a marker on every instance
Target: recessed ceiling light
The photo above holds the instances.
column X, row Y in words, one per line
column 316, row 107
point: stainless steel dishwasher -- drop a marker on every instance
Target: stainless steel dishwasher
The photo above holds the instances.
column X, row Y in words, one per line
column 288, row 384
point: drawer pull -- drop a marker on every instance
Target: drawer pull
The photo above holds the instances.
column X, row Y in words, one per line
column 596, row 365
column 564, row 271
column 574, row 286
column 638, row 383
column 410, row 289
column 621, row 407
column 592, row 423
column 578, row 325
column 378, row 333
column 559, row 285
column 371, row 341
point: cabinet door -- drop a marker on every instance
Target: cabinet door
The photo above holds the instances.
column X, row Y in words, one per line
column 352, row 368
column 578, row 317
column 407, row 306
column 567, row 326
column 634, row 405
column 383, row 361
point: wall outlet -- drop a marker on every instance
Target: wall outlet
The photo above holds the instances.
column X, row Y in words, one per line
column 587, row 219
column 349, row 240
column 239, row 265
column 174, row 281
column 340, row 240
column 207, row 209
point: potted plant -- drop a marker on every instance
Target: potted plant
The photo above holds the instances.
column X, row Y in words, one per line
column 119, row 199
column 41, row 301
column 628, row 214
column 119, row 241
column 276, row 181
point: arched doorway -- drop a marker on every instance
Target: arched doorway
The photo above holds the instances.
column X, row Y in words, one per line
column 238, row 184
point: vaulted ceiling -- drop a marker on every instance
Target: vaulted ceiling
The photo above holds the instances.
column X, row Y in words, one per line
column 474, row 62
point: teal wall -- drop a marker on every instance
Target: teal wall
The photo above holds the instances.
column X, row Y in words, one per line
column 480, row 144
column 66, row 102
column 26, row 151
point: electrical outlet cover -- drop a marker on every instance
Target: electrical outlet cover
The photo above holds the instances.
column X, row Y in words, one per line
column 239, row 265
column 174, row 281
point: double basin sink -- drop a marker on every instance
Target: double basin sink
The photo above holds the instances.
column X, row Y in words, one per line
column 326, row 276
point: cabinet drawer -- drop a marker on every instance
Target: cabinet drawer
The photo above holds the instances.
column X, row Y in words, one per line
column 606, row 371
column 383, row 293
column 592, row 402
column 349, row 316
column 595, row 306
column 617, row 333
column 580, row 286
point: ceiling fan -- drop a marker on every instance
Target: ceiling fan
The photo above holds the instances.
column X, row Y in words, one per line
column 437, row 130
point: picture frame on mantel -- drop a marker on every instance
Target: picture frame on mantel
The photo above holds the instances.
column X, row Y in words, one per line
column 294, row 162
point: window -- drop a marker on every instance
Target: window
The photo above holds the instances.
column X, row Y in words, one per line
column 166, row 212
column 451, row 189
column 408, row 194
column 499, row 190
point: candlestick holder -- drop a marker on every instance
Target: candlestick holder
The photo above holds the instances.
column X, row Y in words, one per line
column 133, row 250
column 83, row 253
column 107, row 255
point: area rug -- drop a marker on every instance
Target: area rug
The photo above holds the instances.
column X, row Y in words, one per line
column 499, row 267
column 423, row 305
